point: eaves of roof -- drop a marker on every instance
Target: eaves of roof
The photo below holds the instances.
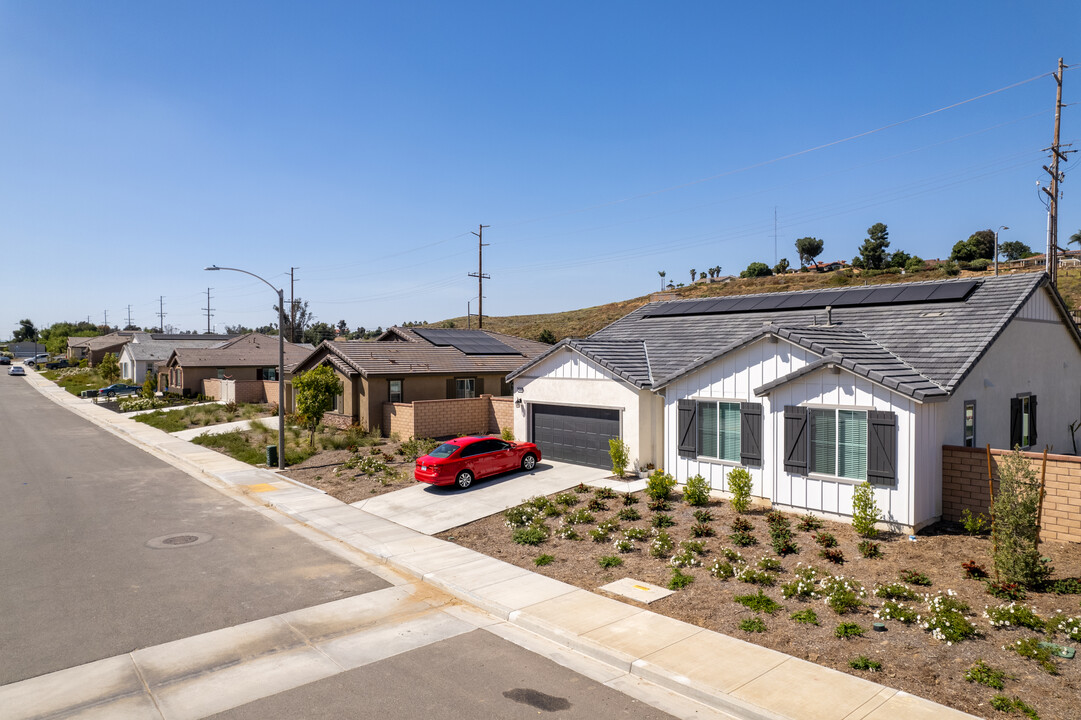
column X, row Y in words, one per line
column 588, row 351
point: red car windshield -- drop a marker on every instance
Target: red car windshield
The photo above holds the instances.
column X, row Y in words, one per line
column 443, row 451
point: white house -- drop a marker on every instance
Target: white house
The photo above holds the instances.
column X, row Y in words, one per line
column 145, row 351
column 817, row 391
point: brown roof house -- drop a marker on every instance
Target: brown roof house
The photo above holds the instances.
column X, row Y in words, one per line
column 94, row 349
column 243, row 369
column 425, row 382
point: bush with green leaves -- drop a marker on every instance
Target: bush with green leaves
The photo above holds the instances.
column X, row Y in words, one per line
column 894, row 610
column 567, row 499
column 841, row 594
column 658, row 505
column 567, row 532
column 659, row 485
column 1015, row 533
column 581, row 516
column 946, row 619
column 620, row 456
column 415, row 447
column 1005, row 590
column 1031, row 648
column 531, row 534
column 696, row 492
column 833, row 555
column 544, row 559
column 895, row 591
column 700, row 529
column 630, row 499
column 662, row 544
column 848, row 630
column 1014, row 615
column 759, row 602
column 739, row 484
column 1068, row 626
column 623, row 545
column 769, row 564
column 722, row 569
column 915, row 577
column 754, row 576
column 805, row 586
column 605, row 493
column 825, row 539
column 865, row 512
column 703, row 516
column 753, row 625
column 1008, row 705
column 865, row 663
column 663, row 520
column 636, row 533
column 684, row 558
column 610, row 561
column 732, row 555
column 805, row 617
column 870, row 550
column 518, row 516
column 629, row 514
column 599, row 535
column 975, row 524
column 679, row 579
column 983, row 674
column 808, row 523
column 596, row 504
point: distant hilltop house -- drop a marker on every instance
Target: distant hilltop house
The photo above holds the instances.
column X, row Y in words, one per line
column 827, row 266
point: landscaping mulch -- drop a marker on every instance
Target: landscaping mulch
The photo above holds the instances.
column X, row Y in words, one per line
column 325, row 471
column 911, row 659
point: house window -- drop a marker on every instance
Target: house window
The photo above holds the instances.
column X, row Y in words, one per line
column 719, row 430
column 221, row 373
column 339, row 404
column 270, row 373
column 395, row 390
column 839, row 443
column 465, row 387
column 1023, row 421
column 970, row 423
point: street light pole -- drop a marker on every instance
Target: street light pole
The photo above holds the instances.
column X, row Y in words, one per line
column 1001, row 227
column 281, row 360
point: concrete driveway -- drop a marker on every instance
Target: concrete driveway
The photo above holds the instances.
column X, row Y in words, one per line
column 431, row 510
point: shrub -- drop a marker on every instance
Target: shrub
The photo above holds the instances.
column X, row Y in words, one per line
column 865, row 512
column 635, row 533
column 914, row 577
column 731, row 555
column 630, row 499
column 695, row 546
column 567, row 499
column 1008, row 705
column 893, row 610
column 808, row 523
column 973, row 570
column 662, row 520
column 610, row 561
column 679, row 579
column 599, row 535
column 759, row 603
column 865, row 663
column 414, row 447
column 531, row 535
column 1031, row 648
column 662, row 544
column 519, row 516
column 696, row 492
column 1068, row 626
column 754, row 624
column 895, row 591
column 703, row 516
column 659, row 485
column 842, row 595
column 825, row 539
column 769, row 564
column 658, row 505
column 581, row 488
column 805, row 617
column 629, row 514
column 869, row 550
column 974, row 524
column 507, row 434
column 739, row 484
column 947, row 622
column 833, row 555
column 984, row 674
column 722, row 570
column 1005, row 590
column 596, row 504
column 742, row 524
column 543, row 560
column 581, row 516
column 685, row 558
column 1064, row 586
column 1016, row 535
column 743, row 539
column 623, row 545
column 848, row 630
column 805, row 586
column 1014, row 615
column 604, row 493
column 785, row 546
column 618, row 452
column 700, row 529
column 754, row 576
column 567, row 532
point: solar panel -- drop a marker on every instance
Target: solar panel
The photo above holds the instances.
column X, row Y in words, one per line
column 857, row 297
column 470, row 342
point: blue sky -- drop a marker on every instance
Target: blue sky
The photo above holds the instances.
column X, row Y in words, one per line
column 363, row 142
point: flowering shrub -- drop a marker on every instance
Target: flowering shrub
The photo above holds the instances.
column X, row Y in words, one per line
column 581, row 516
column 914, row 577
column 1014, row 615
column 722, row 569
column 1005, row 590
column 754, row 576
column 825, row 539
column 893, row 610
column 833, row 555
column 683, row 559
column 805, row 586
column 1030, row 648
column 946, row 620
column 732, row 556
column 1069, row 626
column 841, row 594
column 567, row 532
column 599, row 535
column 895, row 591
column 623, row 545
column 701, row 529
column 519, row 516
column 973, row 570
column 662, row 544
column 659, row 485
column 635, row 533
column 808, row 523
column 567, row 499
column 769, row 564
column 869, row 550
column 696, row 492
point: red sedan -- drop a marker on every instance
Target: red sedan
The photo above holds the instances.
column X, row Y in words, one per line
column 463, row 460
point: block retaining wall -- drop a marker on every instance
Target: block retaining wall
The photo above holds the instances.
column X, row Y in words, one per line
column 964, row 486
column 448, row 418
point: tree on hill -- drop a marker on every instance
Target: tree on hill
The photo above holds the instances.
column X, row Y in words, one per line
column 25, row 332
column 318, row 332
column 898, row 259
column 694, row 274
column 781, row 267
column 315, row 392
column 297, row 319
column 547, row 336
column 873, row 251
column 808, row 248
column 756, row 269
column 1015, row 249
column 1075, row 238
column 662, row 273
column 980, row 244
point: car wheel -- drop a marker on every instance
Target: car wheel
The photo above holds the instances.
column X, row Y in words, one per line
column 111, row 394
column 464, row 479
column 529, row 461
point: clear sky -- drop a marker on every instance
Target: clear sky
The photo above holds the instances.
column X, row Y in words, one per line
column 363, row 142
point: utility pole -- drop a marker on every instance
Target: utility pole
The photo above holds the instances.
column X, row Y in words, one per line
column 775, row 235
column 106, row 318
column 1051, row 258
column 292, row 308
column 208, row 309
column 161, row 313
column 129, row 315
column 479, row 275
column 468, row 315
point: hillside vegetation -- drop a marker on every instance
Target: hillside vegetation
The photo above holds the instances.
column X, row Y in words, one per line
column 580, row 323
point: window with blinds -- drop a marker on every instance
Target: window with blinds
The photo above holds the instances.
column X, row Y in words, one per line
column 719, row 430
column 839, row 443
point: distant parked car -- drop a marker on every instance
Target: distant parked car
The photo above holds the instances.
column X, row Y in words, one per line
column 16, row 370
column 56, row 364
column 118, row 389
column 40, row 357
column 5, row 360
column 460, row 461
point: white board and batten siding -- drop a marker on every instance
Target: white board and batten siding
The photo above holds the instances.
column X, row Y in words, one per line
column 734, row 377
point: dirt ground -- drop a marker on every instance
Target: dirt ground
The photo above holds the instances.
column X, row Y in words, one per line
column 324, row 471
column 911, row 659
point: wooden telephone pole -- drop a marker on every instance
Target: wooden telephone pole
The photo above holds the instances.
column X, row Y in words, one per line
column 479, row 275
column 1051, row 258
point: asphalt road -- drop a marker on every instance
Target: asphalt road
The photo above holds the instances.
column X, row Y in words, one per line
column 78, row 507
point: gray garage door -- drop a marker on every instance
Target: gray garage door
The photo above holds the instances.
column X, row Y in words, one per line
column 575, row 434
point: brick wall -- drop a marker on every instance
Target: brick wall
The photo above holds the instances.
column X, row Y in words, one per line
column 212, row 388
column 964, row 485
column 448, row 418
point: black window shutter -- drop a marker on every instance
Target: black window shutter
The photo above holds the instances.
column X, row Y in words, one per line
column 750, row 434
column 479, row 387
column 688, row 429
column 1032, row 420
column 881, row 446
column 1015, row 422
column 452, row 389
column 795, row 439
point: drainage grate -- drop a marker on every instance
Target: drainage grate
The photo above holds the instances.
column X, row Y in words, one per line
column 179, row 540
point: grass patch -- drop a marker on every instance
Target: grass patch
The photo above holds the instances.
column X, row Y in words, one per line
column 544, row 559
column 848, row 630
column 752, row 625
column 759, row 603
column 984, row 674
column 805, row 617
column 864, row 663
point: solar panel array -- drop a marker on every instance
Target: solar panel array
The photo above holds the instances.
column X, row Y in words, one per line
column 861, row 297
column 470, row 342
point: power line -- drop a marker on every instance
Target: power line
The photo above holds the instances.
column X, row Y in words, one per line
column 479, row 275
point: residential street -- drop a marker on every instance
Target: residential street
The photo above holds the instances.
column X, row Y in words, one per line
column 118, row 562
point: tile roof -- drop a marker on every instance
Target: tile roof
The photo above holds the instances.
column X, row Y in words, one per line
column 411, row 354
column 922, row 350
column 251, row 350
column 145, row 347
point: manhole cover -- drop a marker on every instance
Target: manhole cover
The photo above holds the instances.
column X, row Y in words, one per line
column 178, row 540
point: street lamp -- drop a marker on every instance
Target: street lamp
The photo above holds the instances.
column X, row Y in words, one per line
column 1000, row 227
column 281, row 361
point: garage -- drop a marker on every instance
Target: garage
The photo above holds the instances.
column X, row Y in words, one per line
column 577, row 435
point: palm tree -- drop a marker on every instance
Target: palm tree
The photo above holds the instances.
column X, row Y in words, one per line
column 1075, row 239
column 662, row 273
column 693, row 275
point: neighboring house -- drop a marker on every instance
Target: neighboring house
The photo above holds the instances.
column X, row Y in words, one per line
column 249, row 360
column 816, row 391
column 406, row 365
column 93, row 349
column 827, row 266
column 145, row 351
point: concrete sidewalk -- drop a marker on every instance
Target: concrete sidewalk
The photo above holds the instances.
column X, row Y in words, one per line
column 721, row 672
